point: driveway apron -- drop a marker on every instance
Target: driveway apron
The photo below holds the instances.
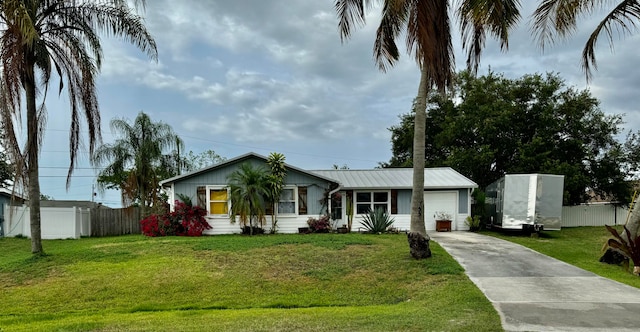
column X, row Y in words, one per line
column 534, row 292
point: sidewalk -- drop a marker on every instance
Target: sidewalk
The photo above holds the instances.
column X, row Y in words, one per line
column 534, row 292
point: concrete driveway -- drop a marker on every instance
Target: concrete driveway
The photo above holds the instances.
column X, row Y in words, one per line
column 534, row 292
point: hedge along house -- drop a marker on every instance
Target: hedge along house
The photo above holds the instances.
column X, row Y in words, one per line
column 306, row 195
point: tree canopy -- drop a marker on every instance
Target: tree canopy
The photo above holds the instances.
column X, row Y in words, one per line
column 138, row 160
column 492, row 125
column 558, row 19
column 192, row 161
column 47, row 38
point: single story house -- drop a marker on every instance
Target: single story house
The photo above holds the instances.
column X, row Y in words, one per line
column 305, row 194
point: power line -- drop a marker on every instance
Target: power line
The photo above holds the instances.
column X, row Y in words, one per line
column 244, row 146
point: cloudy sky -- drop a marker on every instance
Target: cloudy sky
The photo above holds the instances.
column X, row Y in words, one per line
column 265, row 76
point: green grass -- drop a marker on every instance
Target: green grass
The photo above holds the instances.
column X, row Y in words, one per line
column 319, row 282
column 579, row 246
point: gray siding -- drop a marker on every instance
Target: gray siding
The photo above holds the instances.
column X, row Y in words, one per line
column 404, row 201
column 315, row 186
column 463, row 200
column 315, row 194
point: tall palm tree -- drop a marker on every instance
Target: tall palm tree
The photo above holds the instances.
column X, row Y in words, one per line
column 136, row 161
column 275, row 184
column 426, row 25
column 558, row 19
column 38, row 37
column 248, row 190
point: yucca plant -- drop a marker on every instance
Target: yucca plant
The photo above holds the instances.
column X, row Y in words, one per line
column 629, row 247
column 377, row 221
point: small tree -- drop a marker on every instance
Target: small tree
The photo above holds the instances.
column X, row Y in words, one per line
column 248, row 189
column 275, row 183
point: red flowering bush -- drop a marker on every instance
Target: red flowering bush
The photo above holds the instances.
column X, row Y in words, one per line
column 157, row 225
column 185, row 220
column 320, row 225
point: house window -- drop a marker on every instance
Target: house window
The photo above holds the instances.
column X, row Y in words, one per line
column 302, row 200
column 287, row 202
column 336, row 206
column 367, row 201
column 218, row 201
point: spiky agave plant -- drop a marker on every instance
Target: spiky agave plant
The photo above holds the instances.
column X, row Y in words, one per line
column 377, row 221
column 629, row 247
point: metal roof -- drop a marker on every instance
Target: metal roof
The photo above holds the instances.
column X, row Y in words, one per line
column 235, row 160
column 397, row 178
column 385, row 178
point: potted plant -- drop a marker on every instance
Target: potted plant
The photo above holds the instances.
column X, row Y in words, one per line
column 443, row 221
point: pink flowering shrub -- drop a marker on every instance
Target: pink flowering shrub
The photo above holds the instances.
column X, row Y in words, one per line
column 185, row 220
column 320, row 225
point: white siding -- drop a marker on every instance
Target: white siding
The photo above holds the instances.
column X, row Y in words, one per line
column 402, row 222
column 286, row 225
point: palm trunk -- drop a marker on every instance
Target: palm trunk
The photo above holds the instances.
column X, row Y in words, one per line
column 633, row 222
column 32, row 159
column 417, row 237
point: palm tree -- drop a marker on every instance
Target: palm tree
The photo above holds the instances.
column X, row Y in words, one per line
column 38, row 37
column 136, row 161
column 558, row 19
column 275, row 184
column 427, row 28
column 248, row 189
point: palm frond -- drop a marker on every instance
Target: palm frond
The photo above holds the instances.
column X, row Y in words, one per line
column 621, row 20
column 477, row 17
column 429, row 39
column 394, row 19
column 350, row 13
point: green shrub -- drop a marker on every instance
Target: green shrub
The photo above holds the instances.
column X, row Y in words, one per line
column 473, row 223
column 377, row 221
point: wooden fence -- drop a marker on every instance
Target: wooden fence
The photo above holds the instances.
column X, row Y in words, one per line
column 114, row 222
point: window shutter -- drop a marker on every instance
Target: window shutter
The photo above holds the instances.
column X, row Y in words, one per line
column 394, row 201
column 201, row 193
column 302, row 200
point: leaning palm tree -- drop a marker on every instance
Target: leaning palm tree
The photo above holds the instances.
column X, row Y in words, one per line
column 136, row 161
column 38, row 37
column 427, row 28
column 558, row 19
column 248, row 190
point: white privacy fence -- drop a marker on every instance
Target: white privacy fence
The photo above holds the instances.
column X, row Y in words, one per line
column 593, row 215
column 56, row 222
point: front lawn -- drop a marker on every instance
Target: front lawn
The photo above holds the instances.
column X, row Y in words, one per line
column 317, row 282
column 579, row 246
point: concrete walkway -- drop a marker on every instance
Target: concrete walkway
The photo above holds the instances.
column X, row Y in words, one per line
column 534, row 292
